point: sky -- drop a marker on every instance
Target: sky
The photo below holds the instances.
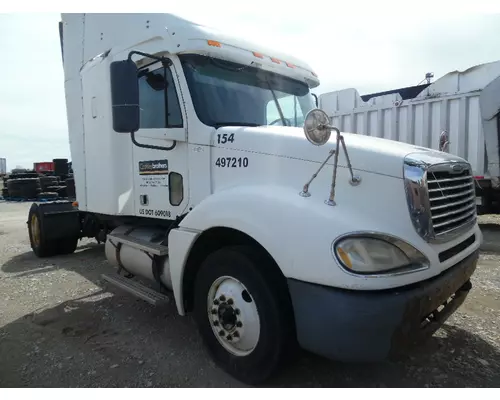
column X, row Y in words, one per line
column 370, row 52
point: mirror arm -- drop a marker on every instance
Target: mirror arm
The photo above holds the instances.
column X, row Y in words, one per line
column 149, row 146
column 305, row 191
column 315, row 98
column 144, row 55
column 355, row 179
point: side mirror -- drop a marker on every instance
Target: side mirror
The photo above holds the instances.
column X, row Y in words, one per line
column 125, row 96
column 317, row 127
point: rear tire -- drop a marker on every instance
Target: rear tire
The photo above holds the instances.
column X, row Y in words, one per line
column 41, row 246
column 67, row 246
column 255, row 304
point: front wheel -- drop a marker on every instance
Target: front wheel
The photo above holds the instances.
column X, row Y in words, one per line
column 243, row 313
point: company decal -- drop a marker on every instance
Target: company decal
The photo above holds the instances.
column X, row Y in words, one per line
column 154, row 173
column 155, row 167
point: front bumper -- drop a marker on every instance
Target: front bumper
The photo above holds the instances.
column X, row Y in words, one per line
column 370, row 326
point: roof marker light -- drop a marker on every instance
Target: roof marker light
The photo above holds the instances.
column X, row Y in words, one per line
column 258, row 55
column 275, row 60
column 213, row 43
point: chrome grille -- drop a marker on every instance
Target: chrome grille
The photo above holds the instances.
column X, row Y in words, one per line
column 452, row 200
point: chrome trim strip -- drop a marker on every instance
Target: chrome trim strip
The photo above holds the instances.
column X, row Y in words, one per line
column 447, row 197
column 451, row 221
column 450, row 187
column 456, row 203
column 457, row 211
column 451, row 179
column 463, row 228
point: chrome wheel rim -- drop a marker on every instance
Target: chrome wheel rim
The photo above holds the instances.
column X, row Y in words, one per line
column 233, row 316
column 35, row 230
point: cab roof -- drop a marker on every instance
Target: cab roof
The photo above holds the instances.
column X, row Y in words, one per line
column 170, row 33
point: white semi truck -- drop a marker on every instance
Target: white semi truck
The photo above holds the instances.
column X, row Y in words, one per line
column 459, row 113
column 192, row 164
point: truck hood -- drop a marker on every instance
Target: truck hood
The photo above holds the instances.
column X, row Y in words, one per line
column 366, row 153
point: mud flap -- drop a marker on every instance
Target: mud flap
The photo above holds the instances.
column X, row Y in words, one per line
column 61, row 220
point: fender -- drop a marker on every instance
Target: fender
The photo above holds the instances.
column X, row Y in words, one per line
column 281, row 221
column 248, row 209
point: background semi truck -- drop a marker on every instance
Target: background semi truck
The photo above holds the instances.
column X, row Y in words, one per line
column 272, row 237
column 458, row 113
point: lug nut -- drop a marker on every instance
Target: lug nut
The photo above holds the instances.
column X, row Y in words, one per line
column 222, row 297
column 216, row 323
column 236, row 334
column 229, row 337
column 237, row 311
column 214, row 311
column 239, row 324
column 221, row 333
column 216, row 302
column 230, row 302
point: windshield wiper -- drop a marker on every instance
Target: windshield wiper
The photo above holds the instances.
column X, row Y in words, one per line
column 235, row 123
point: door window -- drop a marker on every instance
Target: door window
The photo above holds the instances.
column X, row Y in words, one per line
column 152, row 86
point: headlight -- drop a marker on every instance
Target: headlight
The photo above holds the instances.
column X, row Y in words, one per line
column 365, row 254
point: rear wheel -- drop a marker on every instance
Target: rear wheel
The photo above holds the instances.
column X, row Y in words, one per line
column 243, row 313
column 41, row 246
column 67, row 245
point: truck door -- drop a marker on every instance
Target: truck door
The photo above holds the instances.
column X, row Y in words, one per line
column 160, row 163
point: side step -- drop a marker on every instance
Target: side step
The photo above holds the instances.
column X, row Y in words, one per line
column 153, row 248
column 137, row 289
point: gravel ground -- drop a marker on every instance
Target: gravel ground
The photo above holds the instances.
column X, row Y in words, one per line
column 61, row 327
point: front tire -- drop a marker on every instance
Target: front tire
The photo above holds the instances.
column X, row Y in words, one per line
column 243, row 312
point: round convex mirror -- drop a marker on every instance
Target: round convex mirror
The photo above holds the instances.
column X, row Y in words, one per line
column 316, row 127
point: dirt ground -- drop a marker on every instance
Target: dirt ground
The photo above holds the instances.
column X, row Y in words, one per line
column 60, row 326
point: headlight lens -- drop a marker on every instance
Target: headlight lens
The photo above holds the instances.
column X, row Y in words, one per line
column 370, row 255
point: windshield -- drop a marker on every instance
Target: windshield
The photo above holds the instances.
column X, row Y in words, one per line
column 225, row 93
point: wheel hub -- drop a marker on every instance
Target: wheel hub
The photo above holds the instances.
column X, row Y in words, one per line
column 233, row 315
column 227, row 316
